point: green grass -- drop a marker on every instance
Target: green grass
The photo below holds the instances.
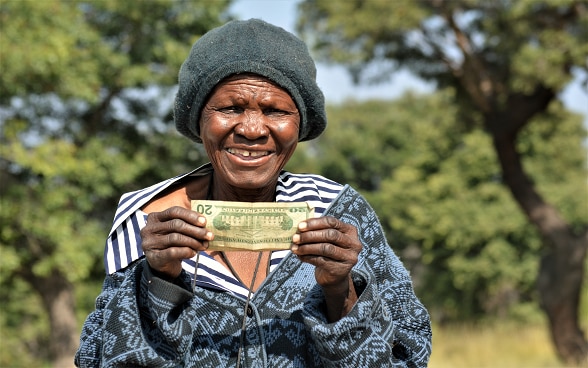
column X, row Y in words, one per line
column 508, row 343
column 500, row 345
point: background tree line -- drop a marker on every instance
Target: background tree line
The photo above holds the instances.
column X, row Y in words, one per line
column 481, row 186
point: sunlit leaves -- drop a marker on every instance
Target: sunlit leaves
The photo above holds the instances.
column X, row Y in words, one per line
column 61, row 59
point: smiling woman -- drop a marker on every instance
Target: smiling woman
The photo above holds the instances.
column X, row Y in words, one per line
column 338, row 297
column 249, row 128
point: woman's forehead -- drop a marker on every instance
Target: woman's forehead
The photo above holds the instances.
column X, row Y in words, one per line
column 248, row 79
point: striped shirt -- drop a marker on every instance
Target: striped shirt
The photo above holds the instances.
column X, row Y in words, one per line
column 123, row 245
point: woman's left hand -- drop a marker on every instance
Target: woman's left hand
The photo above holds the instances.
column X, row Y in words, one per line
column 333, row 247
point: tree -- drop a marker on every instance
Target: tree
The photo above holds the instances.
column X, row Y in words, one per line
column 85, row 98
column 437, row 185
column 507, row 61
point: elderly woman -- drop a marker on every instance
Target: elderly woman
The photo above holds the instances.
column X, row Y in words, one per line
column 339, row 297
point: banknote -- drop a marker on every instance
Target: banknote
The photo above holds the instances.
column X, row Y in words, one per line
column 254, row 226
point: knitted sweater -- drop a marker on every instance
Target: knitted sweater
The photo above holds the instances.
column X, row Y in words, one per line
column 143, row 321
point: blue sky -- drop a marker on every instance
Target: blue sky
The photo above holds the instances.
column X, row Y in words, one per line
column 336, row 83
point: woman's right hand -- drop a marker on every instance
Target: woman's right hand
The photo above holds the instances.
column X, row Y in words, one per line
column 172, row 235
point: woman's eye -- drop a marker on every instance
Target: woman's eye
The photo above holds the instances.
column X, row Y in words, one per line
column 231, row 109
column 272, row 111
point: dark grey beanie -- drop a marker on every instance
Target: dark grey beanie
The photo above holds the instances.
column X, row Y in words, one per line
column 251, row 46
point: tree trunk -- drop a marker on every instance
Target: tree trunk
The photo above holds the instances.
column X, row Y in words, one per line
column 58, row 299
column 559, row 292
column 563, row 255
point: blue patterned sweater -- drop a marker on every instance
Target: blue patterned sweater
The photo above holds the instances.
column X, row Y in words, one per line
column 143, row 321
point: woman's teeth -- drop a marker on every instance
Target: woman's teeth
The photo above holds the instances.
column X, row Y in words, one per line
column 245, row 153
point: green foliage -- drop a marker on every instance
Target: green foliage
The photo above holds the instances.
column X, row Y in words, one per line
column 506, row 61
column 444, row 201
column 65, row 59
column 86, row 46
column 518, row 44
column 85, row 95
column 438, row 191
column 24, row 326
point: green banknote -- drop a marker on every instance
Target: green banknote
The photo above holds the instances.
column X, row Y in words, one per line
column 254, row 226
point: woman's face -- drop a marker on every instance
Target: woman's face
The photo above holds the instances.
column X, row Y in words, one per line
column 249, row 128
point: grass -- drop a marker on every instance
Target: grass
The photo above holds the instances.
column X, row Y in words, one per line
column 502, row 345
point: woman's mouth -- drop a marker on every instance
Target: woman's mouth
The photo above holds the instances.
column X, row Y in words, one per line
column 246, row 153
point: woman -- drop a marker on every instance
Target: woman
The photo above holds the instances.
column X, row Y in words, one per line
column 338, row 298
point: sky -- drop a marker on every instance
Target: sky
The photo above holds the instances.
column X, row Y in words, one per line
column 336, row 83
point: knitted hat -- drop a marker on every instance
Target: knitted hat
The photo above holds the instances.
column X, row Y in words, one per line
column 251, row 46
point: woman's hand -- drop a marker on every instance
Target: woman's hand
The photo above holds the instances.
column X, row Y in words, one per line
column 333, row 247
column 171, row 236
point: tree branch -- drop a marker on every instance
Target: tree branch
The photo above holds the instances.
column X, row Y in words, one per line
column 474, row 77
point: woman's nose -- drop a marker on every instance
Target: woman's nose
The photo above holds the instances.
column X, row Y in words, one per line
column 252, row 126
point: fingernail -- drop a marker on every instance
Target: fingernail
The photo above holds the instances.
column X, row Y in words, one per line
column 209, row 235
column 302, row 225
column 295, row 238
column 201, row 220
column 294, row 248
